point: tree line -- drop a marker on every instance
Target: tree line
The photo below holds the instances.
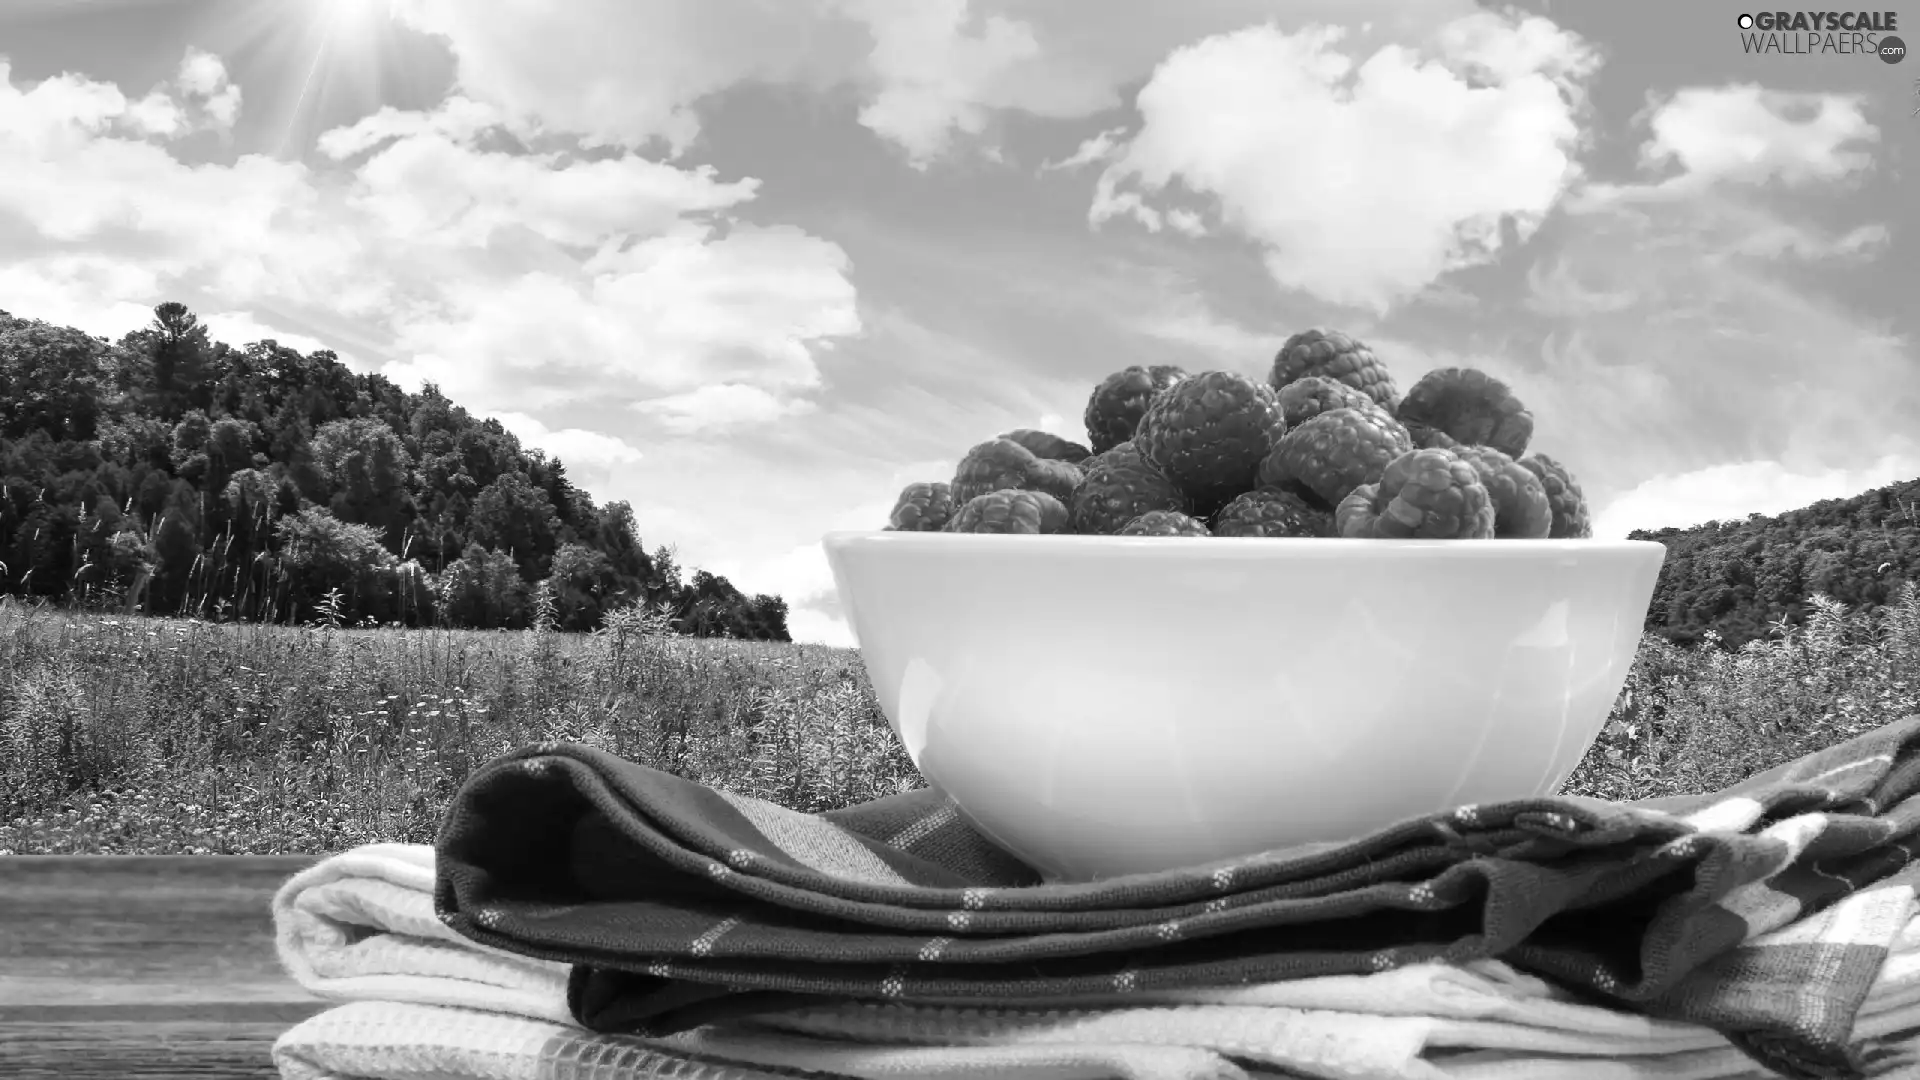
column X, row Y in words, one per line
column 172, row 474
column 1745, row 579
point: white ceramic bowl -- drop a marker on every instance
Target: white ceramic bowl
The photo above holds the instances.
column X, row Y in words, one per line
column 1104, row 705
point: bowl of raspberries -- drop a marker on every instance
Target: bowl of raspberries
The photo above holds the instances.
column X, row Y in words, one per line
column 1246, row 613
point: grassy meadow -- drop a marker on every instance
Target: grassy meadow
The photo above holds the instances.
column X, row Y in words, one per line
column 126, row 735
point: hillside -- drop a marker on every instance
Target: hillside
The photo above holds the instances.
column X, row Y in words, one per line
column 1738, row 578
column 173, row 474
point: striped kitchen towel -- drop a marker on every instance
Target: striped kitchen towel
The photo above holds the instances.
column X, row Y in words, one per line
column 678, row 904
column 359, row 928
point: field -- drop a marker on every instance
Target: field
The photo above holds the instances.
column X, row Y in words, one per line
column 151, row 736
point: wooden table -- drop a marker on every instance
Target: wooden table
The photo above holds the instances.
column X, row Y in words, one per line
column 117, row 967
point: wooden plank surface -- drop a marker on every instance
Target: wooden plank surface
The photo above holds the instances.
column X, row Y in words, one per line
column 149, row 967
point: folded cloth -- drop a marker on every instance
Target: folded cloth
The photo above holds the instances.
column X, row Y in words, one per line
column 373, row 1040
column 681, row 904
column 388, row 1040
column 360, row 927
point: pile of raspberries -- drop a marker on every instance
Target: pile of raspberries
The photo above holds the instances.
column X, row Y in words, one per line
column 1325, row 447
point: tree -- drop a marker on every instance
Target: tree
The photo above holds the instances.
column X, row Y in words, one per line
column 366, row 468
column 512, row 515
column 484, row 589
column 322, row 554
column 50, row 380
column 177, row 546
column 177, row 346
column 615, row 535
column 584, row 582
column 770, row 617
column 194, row 473
column 189, row 451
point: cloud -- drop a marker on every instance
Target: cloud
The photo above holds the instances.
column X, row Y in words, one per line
column 929, row 75
column 523, row 280
column 625, row 73
column 1747, row 133
column 1187, row 319
column 1097, row 148
column 720, row 407
column 240, row 329
column 1689, row 354
column 430, row 182
column 593, row 459
column 1659, row 339
column 101, row 296
column 60, row 109
column 799, row 573
column 1417, row 161
column 667, row 315
column 934, row 78
column 111, row 211
column 1732, row 491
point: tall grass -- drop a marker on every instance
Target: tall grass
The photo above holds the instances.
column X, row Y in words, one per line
column 132, row 735
column 1699, row 719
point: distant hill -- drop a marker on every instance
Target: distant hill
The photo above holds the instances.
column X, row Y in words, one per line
column 173, row 474
column 1737, row 577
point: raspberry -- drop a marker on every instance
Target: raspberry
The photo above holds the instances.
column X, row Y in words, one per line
column 1208, row 434
column 991, row 466
column 1055, row 477
column 922, row 508
column 1422, row 495
column 1336, row 356
column 1426, row 438
column 1335, row 452
column 1002, row 463
column 1272, row 512
column 1470, row 406
column 1120, row 487
column 1569, row 505
column 1164, row 523
column 1048, row 446
column 1305, row 398
column 1520, row 508
column 1116, row 405
column 1010, row 511
column 1125, row 448
column 1353, row 518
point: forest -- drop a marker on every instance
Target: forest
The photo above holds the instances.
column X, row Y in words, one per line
column 170, row 474
column 1751, row 579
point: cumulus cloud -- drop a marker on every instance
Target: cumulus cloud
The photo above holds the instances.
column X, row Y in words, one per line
column 1308, row 153
column 429, row 181
column 594, row 460
column 625, row 73
column 667, row 315
column 520, row 280
column 929, row 74
column 1748, row 133
column 934, row 77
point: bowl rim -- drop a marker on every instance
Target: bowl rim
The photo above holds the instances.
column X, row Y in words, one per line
column 1239, row 547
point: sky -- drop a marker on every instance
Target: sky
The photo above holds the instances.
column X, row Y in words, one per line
column 755, row 265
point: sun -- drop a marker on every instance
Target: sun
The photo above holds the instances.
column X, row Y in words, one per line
column 316, row 64
column 348, row 17
column 352, row 36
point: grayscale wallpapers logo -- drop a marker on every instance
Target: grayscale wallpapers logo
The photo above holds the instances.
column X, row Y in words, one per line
column 1823, row 33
